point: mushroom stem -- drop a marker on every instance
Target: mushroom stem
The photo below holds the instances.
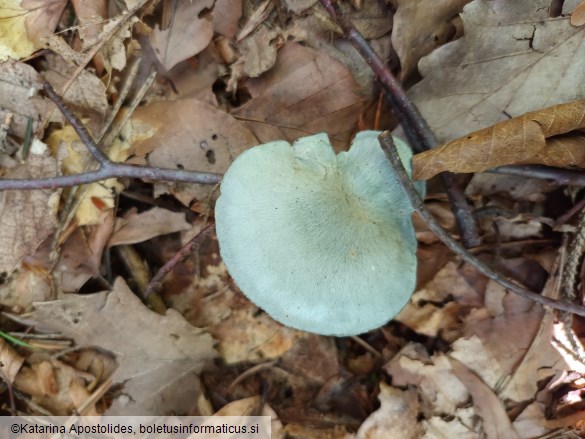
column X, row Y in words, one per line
column 389, row 148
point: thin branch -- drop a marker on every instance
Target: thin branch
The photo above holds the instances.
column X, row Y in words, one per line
column 76, row 124
column 417, row 130
column 187, row 249
column 107, row 169
column 570, row 177
column 389, row 149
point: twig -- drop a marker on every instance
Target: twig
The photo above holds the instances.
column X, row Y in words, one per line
column 187, row 249
column 561, row 176
column 389, row 149
column 107, row 169
column 122, row 19
column 417, row 130
column 76, row 124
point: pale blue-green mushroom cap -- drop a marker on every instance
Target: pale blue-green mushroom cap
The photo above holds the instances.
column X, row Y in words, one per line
column 321, row 242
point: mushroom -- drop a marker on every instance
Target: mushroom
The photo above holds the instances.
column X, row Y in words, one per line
column 321, row 242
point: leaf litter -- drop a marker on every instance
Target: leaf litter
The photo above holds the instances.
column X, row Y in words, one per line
column 465, row 358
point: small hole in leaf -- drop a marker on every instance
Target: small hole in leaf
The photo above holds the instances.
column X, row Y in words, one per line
column 214, row 137
column 179, row 166
column 210, row 156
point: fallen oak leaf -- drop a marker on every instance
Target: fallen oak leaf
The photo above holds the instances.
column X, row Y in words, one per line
column 521, row 140
column 159, row 357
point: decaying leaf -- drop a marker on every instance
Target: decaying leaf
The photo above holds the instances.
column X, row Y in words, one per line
column 139, row 227
column 16, row 82
column 159, row 357
column 188, row 134
column 189, row 31
column 520, row 140
column 80, row 256
column 496, row 422
column 306, row 92
column 86, row 94
column 14, row 41
column 508, row 62
column 19, row 238
column 432, row 28
column 10, row 362
column 396, row 416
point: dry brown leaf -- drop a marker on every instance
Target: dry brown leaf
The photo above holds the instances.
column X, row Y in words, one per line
column 42, row 18
column 258, row 53
column 243, row 335
column 373, row 19
column 517, row 141
column 93, row 19
column 19, row 238
column 430, row 259
column 140, row 227
column 49, row 382
column 419, row 27
column 38, row 380
column 81, row 255
column 496, row 423
column 189, row 32
column 440, row 391
column 578, row 15
column 226, row 14
column 250, row 407
column 91, row 15
column 87, row 93
column 14, row 41
column 298, row 6
column 159, row 357
column 306, row 92
column 189, row 134
column 506, row 64
column 425, row 315
column 16, row 81
column 396, row 417
column 10, row 362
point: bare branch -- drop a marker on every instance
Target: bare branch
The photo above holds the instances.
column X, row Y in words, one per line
column 76, row 124
column 417, row 130
column 389, row 149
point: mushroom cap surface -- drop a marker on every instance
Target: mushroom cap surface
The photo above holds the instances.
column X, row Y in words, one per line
column 321, row 242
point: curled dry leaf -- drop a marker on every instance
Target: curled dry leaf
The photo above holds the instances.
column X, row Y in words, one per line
column 146, row 225
column 520, row 140
column 10, row 362
column 189, row 32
